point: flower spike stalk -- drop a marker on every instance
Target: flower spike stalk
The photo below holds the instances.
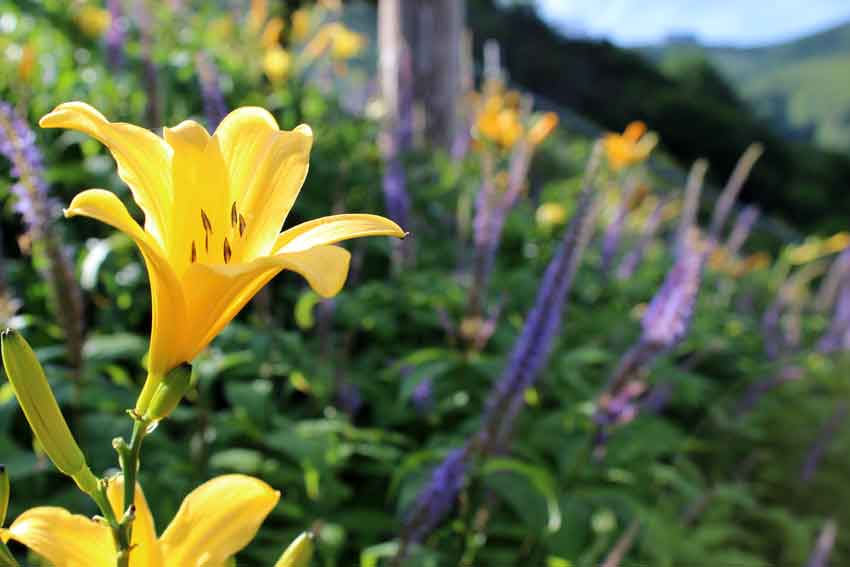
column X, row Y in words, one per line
column 32, row 201
column 690, row 206
column 744, row 224
column 531, row 350
column 664, row 325
column 614, row 231
column 629, row 264
column 733, row 188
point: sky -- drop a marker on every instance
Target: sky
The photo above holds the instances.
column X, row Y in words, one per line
column 742, row 23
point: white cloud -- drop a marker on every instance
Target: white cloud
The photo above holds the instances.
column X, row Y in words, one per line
column 739, row 22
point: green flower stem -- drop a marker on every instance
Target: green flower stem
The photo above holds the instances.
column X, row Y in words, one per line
column 6, row 557
column 128, row 458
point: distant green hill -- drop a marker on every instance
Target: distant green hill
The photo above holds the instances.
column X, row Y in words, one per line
column 802, row 87
column 694, row 109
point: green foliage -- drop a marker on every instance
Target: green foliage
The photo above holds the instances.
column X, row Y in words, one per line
column 705, row 485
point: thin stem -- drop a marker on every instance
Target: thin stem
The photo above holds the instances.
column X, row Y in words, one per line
column 128, row 458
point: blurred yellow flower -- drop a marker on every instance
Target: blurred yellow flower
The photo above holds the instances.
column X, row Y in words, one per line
column 214, row 207
column 257, row 15
column 342, row 43
column 333, row 5
column 300, row 24
column 499, row 121
column 550, row 214
column 347, row 44
column 214, row 522
column 271, row 33
column 27, row 63
column 815, row 248
column 721, row 261
column 632, row 146
column 277, row 64
column 93, row 21
column 542, row 128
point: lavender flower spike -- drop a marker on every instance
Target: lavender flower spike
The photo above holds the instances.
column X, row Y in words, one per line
column 611, row 240
column 115, row 36
column 532, row 348
column 744, row 224
column 668, row 316
column 823, row 547
column 733, row 187
column 830, row 288
column 630, row 263
column 215, row 108
column 690, row 207
column 17, row 144
column 438, row 497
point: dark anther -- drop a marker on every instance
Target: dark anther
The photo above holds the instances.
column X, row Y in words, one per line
column 233, row 216
column 227, row 252
column 205, row 220
column 194, row 253
column 243, row 224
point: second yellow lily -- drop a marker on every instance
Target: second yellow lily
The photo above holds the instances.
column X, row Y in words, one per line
column 215, row 521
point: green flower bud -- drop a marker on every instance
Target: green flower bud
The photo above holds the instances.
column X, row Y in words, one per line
column 41, row 410
column 169, row 393
column 299, row 552
column 4, row 494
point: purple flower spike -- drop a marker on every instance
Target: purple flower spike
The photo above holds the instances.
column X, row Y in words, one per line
column 215, row 108
column 668, row 316
column 349, row 398
column 423, row 396
column 116, row 35
column 531, row 350
column 744, row 224
column 611, row 240
column 17, row 144
column 630, row 263
column 438, row 497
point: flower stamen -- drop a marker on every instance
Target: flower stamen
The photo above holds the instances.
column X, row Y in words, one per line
column 205, row 220
column 194, row 255
column 233, row 216
column 227, row 252
column 243, row 224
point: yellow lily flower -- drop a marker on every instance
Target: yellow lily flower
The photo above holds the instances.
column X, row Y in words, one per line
column 214, row 522
column 213, row 206
column 632, row 146
column 499, row 121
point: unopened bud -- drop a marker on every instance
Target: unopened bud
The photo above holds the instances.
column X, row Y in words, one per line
column 41, row 410
column 4, row 494
column 299, row 552
column 169, row 393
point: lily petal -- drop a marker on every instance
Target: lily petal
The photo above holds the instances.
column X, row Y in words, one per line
column 219, row 292
column 64, row 539
column 216, row 520
column 333, row 229
column 143, row 158
column 188, row 140
column 146, row 550
column 267, row 168
column 168, row 304
column 200, row 178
